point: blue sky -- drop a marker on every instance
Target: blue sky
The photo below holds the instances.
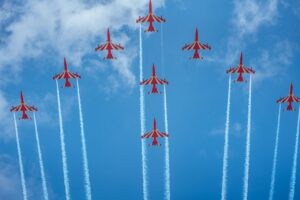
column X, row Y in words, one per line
column 34, row 38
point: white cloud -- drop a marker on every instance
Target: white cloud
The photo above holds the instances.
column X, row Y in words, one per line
column 10, row 187
column 250, row 15
column 275, row 61
column 235, row 129
column 10, row 182
column 69, row 28
column 5, row 119
column 111, row 86
column 35, row 29
column 296, row 9
column 49, row 102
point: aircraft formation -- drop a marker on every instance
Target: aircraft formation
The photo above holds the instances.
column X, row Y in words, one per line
column 155, row 81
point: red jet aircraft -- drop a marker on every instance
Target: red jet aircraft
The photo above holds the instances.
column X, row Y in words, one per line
column 153, row 80
column 109, row 46
column 240, row 69
column 155, row 134
column 66, row 75
column 196, row 46
column 150, row 18
column 289, row 99
column 23, row 108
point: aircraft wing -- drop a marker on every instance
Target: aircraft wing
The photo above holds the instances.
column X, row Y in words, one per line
column 232, row 70
column 160, row 134
column 196, row 45
column 296, row 99
column 150, row 18
column 101, row 47
column 16, row 108
column 109, row 46
column 25, row 107
column 59, row 76
column 116, row 47
column 205, row 46
column 146, row 82
column 143, row 19
column 152, row 80
column 64, row 75
column 282, row 100
column 156, row 133
column 148, row 135
column 158, row 19
column 162, row 81
column 30, row 108
column 248, row 70
column 73, row 75
column 240, row 70
column 188, row 46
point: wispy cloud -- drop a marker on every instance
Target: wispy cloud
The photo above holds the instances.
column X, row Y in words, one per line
column 67, row 28
column 6, row 131
column 236, row 130
column 34, row 30
column 46, row 103
column 9, row 179
column 247, row 18
column 274, row 61
column 250, row 15
column 10, row 185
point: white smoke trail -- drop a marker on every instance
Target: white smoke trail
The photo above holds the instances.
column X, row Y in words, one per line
column 23, row 182
column 88, row 192
column 294, row 169
column 63, row 148
column 142, row 115
column 167, row 149
column 43, row 177
column 226, row 143
column 162, row 61
column 248, row 143
column 271, row 193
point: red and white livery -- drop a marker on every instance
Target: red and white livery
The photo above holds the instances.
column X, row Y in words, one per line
column 153, row 80
column 155, row 134
column 109, row 46
column 150, row 18
column 66, row 75
column 240, row 69
column 23, row 108
column 196, row 46
column 289, row 99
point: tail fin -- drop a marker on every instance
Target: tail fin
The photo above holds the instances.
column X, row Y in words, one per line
column 241, row 59
column 153, row 70
column 291, row 89
column 196, row 35
column 150, row 6
column 65, row 65
column 108, row 35
column 22, row 98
